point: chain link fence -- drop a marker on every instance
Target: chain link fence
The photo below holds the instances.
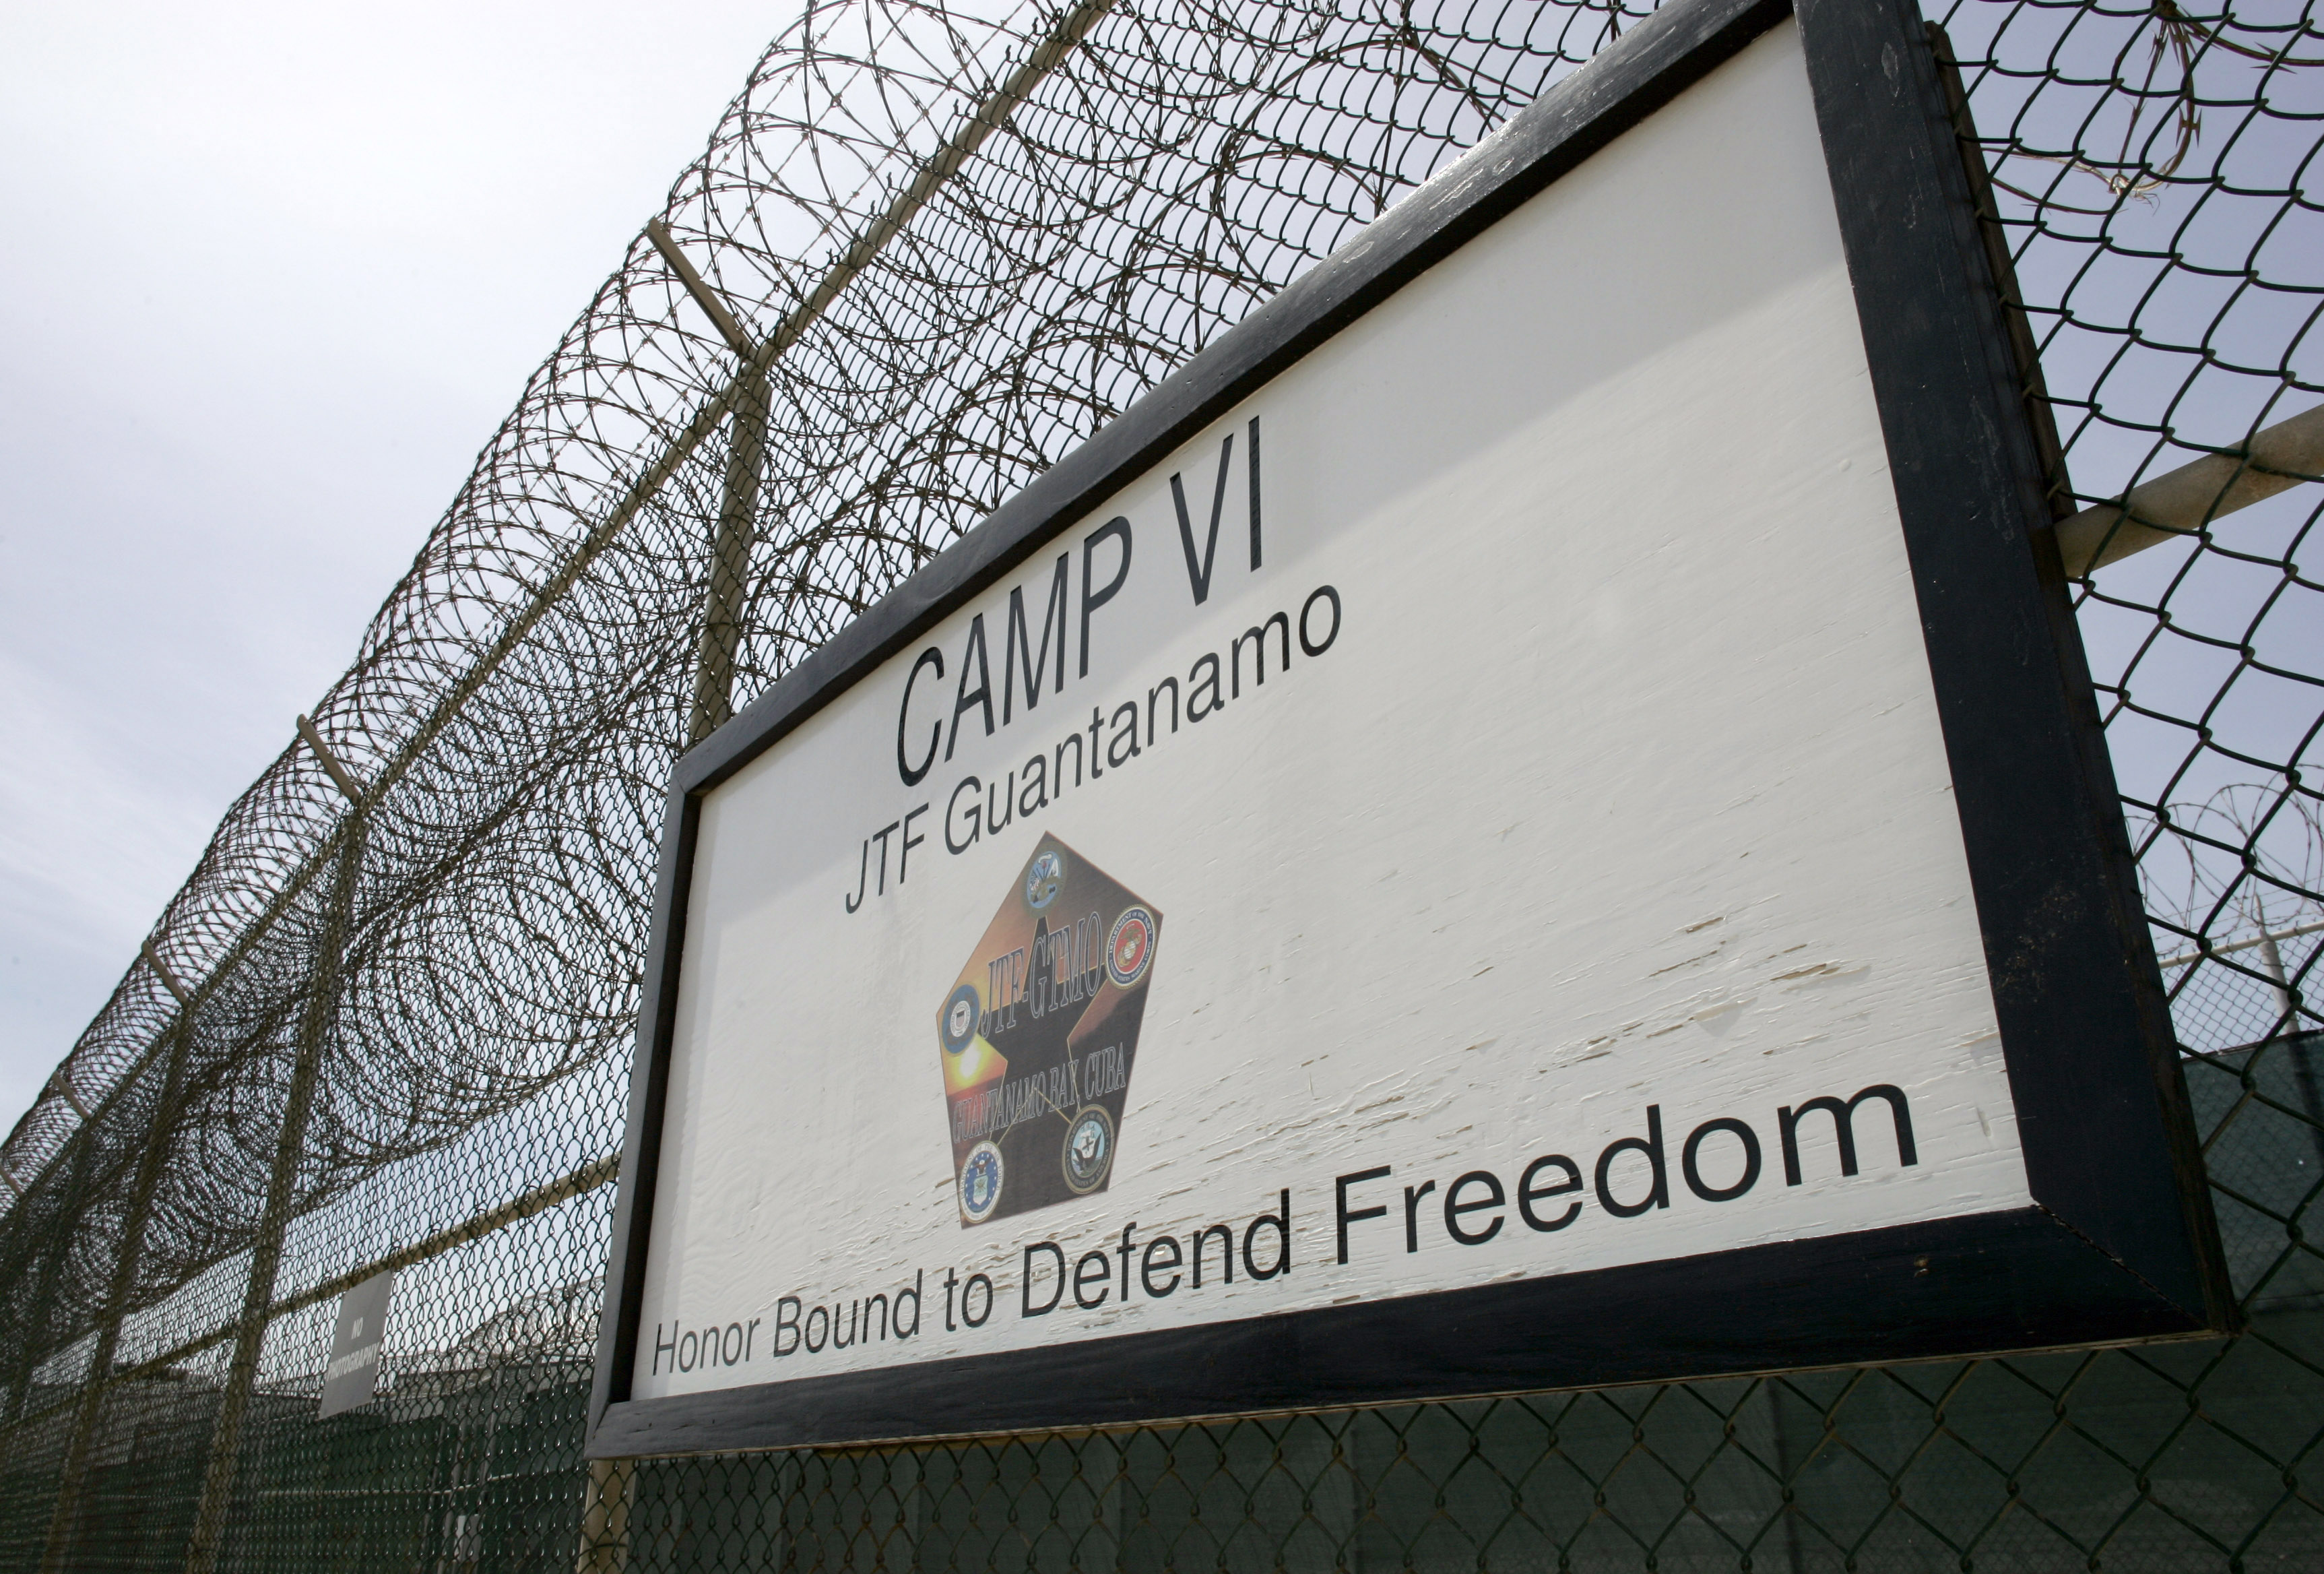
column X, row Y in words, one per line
column 930, row 247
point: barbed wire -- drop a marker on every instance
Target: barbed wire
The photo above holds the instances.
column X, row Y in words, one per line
column 932, row 248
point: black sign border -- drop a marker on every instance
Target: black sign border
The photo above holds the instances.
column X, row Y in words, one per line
column 2120, row 1244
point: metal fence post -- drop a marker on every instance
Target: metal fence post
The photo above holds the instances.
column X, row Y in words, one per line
column 150, row 1166
column 2287, row 1008
column 43, row 1300
column 604, row 1533
column 605, row 1505
column 605, row 1517
column 728, row 599
column 23, row 1363
column 266, row 1248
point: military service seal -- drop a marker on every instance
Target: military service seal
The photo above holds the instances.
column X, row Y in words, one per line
column 1089, row 1149
column 1131, row 946
column 956, row 1023
column 980, row 1183
column 1043, row 878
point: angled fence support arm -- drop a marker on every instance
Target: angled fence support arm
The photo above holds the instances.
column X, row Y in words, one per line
column 729, row 329
column 62, row 1085
column 340, row 777
column 161, row 971
column 2173, row 506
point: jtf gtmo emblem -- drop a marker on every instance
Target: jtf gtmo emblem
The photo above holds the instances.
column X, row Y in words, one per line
column 1039, row 1035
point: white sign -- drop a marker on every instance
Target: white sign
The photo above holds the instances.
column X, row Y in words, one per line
column 1477, row 813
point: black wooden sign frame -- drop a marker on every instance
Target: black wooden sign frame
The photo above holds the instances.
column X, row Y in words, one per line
column 2120, row 1243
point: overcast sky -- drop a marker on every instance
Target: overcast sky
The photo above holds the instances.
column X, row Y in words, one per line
column 269, row 277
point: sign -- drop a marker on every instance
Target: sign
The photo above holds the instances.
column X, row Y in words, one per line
column 1533, row 818
column 352, row 1374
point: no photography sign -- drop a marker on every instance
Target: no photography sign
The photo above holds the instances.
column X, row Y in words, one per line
column 1532, row 817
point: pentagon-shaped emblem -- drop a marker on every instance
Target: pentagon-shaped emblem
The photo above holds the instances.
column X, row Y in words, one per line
column 1040, row 1033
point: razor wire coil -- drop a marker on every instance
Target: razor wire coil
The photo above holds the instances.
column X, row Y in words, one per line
column 926, row 330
